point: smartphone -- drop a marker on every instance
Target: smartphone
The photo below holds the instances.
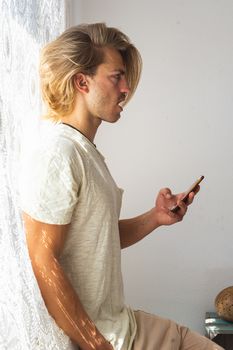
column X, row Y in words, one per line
column 191, row 189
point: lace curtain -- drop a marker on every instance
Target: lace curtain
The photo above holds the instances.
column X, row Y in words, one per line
column 25, row 26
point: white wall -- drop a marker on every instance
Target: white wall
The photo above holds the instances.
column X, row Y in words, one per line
column 178, row 126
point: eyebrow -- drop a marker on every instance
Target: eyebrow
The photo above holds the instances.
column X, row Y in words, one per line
column 121, row 71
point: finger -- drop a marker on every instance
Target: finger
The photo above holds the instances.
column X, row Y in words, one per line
column 179, row 196
column 190, row 198
column 166, row 192
column 183, row 208
column 197, row 189
column 181, row 211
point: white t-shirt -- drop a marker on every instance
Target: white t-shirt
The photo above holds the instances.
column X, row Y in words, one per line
column 67, row 181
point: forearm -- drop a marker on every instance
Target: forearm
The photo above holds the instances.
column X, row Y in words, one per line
column 134, row 229
column 64, row 305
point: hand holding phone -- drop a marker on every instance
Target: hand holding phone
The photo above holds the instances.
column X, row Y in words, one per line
column 185, row 197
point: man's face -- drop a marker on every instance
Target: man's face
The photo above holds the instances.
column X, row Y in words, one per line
column 108, row 88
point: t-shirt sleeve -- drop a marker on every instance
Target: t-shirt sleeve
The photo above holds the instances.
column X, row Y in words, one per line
column 49, row 185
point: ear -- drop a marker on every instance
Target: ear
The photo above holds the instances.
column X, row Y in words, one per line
column 81, row 82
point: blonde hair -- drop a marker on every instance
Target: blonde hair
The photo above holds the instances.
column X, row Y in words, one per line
column 80, row 50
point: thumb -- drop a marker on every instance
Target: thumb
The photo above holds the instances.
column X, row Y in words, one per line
column 166, row 192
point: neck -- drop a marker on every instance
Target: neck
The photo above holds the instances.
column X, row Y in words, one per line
column 87, row 129
column 82, row 119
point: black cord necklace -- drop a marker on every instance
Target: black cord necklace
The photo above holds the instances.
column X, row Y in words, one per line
column 78, row 131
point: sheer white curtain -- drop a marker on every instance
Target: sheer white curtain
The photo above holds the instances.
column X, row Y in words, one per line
column 25, row 26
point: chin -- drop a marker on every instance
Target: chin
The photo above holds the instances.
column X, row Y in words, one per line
column 112, row 119
column 116, row 119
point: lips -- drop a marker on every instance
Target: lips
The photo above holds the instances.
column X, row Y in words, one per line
column 121, row 102
column 121, row 108
column 119, row 105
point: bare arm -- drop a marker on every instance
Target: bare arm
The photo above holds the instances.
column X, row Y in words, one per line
column 134, row 229
column 45, row 243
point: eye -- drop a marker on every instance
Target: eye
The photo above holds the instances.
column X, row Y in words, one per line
column 117, row 77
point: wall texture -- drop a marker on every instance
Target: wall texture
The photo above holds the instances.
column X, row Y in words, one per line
column 25, row 26
column 178, row 126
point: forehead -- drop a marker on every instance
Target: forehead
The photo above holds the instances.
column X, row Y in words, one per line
column 112, row 60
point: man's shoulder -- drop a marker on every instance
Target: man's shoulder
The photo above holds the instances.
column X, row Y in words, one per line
column 58, row 143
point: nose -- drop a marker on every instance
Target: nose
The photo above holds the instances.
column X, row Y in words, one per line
column 124, row 86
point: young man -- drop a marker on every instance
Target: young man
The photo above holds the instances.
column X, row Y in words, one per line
column 71, row 204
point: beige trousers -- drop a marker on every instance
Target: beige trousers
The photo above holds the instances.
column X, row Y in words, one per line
column 156, row 333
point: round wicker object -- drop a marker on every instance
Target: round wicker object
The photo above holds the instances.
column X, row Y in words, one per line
column 224, row 304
